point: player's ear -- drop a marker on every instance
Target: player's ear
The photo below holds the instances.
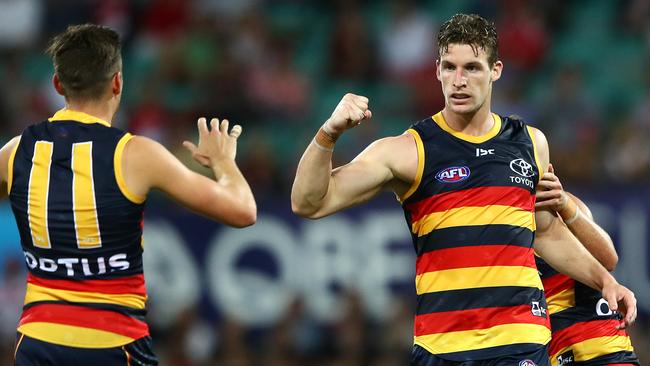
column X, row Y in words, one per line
column 497, row 68
column 57, row 85
column 116, row 83
column 438, row 70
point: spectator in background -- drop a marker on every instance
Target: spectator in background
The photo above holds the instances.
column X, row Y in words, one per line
column 627, row 157
column 20, row 23
column 405, row 40
column 406, row 53
column 352, row 53
column 166, row 19
column 276, row 88
column 116, row 14
column 572, row 121
column 522, row 36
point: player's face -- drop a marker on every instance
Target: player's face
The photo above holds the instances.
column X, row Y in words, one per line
column 466, row 78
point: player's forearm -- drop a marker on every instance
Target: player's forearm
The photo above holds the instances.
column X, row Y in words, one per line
column 594, row 238
column 228, row 176
column 562, row 250
column 587, row 270
column 312, row 180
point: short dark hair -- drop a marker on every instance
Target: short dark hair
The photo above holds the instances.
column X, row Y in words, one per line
column 85, row 58
column 469, row 29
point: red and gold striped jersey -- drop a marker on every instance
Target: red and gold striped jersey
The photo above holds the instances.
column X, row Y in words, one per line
column 81, row 233
column 583, row 325
column 471, row 216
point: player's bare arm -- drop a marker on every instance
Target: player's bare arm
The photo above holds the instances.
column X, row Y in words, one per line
column 318, row 190
column 578, row 218
column 227, row 199
column 555, row 243
column 5, row 153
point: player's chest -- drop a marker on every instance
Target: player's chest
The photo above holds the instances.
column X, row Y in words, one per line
column 454, row 166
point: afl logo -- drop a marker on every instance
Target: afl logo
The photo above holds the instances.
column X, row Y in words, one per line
column 453, row 174
column 521, row 167
column 527, row 363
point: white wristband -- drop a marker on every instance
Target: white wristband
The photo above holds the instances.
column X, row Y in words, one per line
column 574, row 218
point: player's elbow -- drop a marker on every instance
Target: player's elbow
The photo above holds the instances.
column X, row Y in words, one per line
column 245, row 221
column 303, row 209
column 246, row 217
column 610, row 262
column 300, row 209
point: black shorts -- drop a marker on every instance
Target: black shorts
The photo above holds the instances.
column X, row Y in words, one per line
column 32, row 352
column 422, row 357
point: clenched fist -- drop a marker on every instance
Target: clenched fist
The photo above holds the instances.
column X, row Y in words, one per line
column 351, row 110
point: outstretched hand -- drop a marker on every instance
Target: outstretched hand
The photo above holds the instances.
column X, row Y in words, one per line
column 349, row 113
column 622, row 300
column 215, row 144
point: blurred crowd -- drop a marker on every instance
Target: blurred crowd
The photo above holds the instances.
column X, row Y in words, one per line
column 576, row 69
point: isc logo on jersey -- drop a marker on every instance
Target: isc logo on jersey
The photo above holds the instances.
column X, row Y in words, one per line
column 565, row 359
column 527, row 363
column 453, row 174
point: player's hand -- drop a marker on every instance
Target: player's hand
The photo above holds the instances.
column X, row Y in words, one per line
column 550, row 193
column 622, row 300
column 349, row 113
column 216, row 144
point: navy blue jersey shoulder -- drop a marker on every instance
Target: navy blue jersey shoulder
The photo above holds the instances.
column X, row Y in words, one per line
column 118, row 220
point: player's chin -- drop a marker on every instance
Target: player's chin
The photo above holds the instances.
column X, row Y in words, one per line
column 462, row 108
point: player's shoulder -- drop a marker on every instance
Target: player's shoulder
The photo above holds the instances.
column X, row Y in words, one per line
column 7, row 149
column 423, row 124
column 515, row 122
column 11, row 144
column 393, row 144
column 425, row 128
column 141, row 146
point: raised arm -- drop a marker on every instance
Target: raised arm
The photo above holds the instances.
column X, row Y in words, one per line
column 227, row 198
column 318, row 190
column 578, row 218
column 555, row 243
column 5, row 154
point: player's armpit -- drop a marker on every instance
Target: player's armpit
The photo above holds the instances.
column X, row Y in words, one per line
column 147, row 164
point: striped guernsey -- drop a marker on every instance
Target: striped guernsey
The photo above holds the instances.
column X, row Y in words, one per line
column 471, row 214
column 81, row 233
column 584, row 328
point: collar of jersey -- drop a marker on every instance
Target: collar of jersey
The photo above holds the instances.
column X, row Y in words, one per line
column 439, row 119
column 70, row 115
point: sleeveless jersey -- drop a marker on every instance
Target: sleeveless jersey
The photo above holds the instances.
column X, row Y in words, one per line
column 471, row 215
column 584, row 328
column 81, row 233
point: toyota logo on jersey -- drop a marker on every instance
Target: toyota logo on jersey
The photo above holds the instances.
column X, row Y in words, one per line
column 521, row 167
column 453, row 174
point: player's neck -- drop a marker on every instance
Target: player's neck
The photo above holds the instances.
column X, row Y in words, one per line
column 478, row 123
column 100, row 110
